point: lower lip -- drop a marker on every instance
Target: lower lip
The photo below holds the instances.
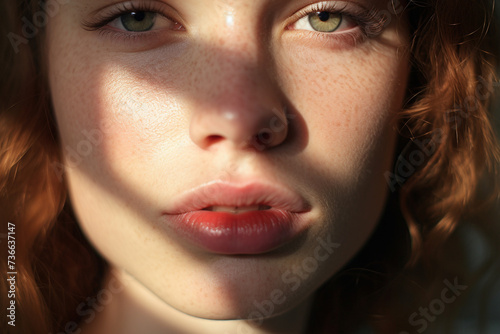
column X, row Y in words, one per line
column 252, row 232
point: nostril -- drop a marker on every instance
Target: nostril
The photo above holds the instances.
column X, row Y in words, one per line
column 264, row 137
column 212, row 139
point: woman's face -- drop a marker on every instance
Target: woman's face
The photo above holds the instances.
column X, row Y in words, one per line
column 196, row 105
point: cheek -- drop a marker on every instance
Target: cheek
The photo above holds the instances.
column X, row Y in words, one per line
column 110, row 119
column 347, row 99
column 350, row 101
column 111, row 112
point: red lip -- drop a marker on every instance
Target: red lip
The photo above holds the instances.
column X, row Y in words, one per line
column 251, row 232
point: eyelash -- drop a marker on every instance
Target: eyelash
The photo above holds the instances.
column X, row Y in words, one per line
column 99, row 22
column 370, row 23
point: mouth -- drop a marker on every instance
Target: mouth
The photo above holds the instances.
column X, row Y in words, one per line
column 237, row 209
column 218, row 196
column 224, row 218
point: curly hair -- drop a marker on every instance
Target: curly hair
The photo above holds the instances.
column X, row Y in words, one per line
column 447, row 147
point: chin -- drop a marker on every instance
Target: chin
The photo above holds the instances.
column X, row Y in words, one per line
column 256, row 309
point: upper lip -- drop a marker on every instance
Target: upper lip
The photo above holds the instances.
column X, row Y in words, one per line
column 220, row 193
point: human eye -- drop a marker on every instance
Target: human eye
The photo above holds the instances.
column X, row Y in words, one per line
column 338, row 19
column 322, row 21
column 129, row 19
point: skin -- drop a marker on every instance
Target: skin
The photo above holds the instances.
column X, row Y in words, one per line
column 145, row 118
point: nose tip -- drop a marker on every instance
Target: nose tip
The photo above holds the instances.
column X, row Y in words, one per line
column 256, row 128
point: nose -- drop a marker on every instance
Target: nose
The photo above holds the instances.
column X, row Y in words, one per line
column 241, row 104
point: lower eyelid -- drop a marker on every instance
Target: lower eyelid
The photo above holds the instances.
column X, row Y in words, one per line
column 335, row 41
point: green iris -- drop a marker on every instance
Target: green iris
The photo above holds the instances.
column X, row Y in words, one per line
column 325, row 21
column 138, row 21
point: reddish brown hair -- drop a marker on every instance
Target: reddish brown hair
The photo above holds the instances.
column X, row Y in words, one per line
column 453, row 70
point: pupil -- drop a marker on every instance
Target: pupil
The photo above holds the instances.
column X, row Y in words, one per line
column 138, row 16
column 324, row 16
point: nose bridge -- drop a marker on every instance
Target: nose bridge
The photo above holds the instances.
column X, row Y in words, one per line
column 239, row 73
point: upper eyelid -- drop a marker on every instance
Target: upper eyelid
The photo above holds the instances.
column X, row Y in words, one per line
column 334, row 6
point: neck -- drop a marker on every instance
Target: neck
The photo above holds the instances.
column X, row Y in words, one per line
column 125, row 306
